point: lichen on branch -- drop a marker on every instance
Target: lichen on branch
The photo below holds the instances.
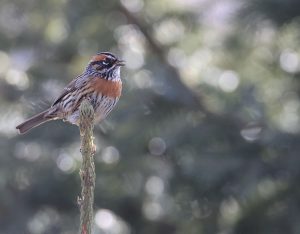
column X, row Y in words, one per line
column 87, row 171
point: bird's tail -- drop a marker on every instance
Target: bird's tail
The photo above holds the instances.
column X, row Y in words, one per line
column 33, row 122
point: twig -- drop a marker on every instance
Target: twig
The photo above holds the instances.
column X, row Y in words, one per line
column 87, row 171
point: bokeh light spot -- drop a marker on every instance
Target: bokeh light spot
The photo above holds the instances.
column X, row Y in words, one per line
column 152, row 210
column 110, row 155
column 289, row 61
column 107, row 222
column 143, row 79
column 266, row 187
column 176, row 57
column 22, row 178
column 42, row 220
column 17, row 78
column 289, row 119
column 105, row 219
column 29, row 151
column 230, row 209
column 133, row 5
column 154, row 186
column 4, row 62
column 229, row 81
column 134, row 60
column 57, row 30
column 169, row 31
column 65, row 163
column 251, row 132
column 157, row 146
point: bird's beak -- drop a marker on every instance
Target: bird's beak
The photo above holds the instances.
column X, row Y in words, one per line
column 121, row 63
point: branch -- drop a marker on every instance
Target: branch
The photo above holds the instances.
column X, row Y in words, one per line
column 187, row 95
column 87, row 171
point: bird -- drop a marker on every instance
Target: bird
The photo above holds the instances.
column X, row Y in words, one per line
column 100, row 83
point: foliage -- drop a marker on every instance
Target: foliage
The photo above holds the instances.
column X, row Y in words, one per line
column 205, row 138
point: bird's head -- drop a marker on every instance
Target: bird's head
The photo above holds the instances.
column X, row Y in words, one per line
column 106, row 65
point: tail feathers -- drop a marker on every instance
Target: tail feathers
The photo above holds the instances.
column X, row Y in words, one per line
column 33, row 122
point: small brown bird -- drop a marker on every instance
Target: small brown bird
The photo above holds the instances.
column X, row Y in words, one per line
column 100, row 83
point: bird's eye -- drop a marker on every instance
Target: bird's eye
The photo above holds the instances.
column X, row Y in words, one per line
column 105, row 62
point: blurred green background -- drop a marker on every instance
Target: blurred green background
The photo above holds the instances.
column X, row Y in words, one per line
column 205, row 138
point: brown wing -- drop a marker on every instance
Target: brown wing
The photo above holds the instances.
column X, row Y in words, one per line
column 73, row 85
